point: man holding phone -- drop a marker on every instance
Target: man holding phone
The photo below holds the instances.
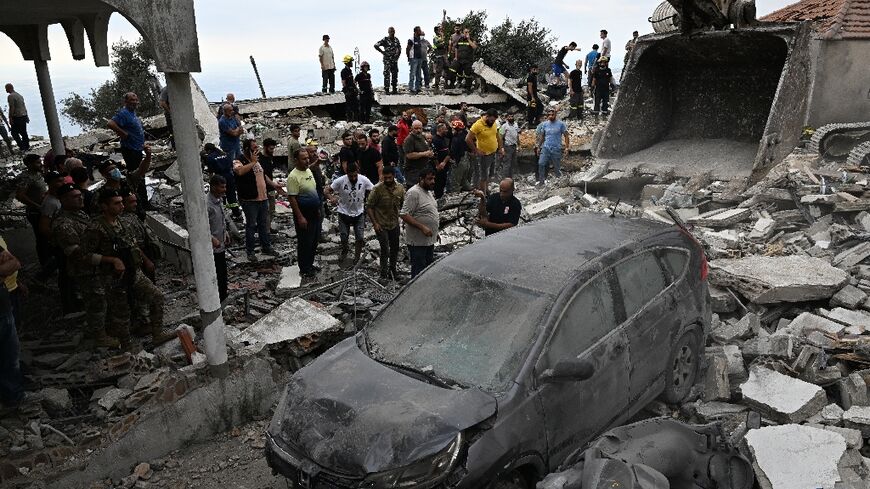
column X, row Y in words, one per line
column 252, row 185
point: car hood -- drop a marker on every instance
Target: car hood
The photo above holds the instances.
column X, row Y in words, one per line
column 352, row 415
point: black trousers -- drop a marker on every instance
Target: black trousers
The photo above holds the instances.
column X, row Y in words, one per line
column 328, row 79
column 534, row 112
column 220, row 267
column 306, row 240
column 576, row 102
column 441, row 181
column 389, row 241
column 365, row 106
column 351, row 104
column 602, row 99
column 18, row 125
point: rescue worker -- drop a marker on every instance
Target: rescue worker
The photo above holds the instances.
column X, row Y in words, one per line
column 391, row 48
column 348, row 87
column 120, row 273
column 67, row 232
column 465, row 47
column 602, row 77
column 366, row 92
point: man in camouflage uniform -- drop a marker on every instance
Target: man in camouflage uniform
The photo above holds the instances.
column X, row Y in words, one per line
column 145, row 238
column 391, row 48
column 120, row 271
column 66, row 233
column 439, row 56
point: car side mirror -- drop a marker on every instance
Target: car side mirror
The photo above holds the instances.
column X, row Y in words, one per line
column 568, row 371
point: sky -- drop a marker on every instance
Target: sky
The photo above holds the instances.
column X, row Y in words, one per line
column 284, row 38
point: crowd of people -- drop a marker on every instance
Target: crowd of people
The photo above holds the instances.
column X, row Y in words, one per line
column 104, row 255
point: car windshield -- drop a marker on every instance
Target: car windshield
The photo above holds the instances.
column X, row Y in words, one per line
column 460, row 327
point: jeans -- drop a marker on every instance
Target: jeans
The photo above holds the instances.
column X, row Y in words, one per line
column 416, row 73
column 549, row 155
column 220, row 268
column 345, row 223
column 389, row 255
column 421, row 257
column 18, row 126
column 256, row 219
column 11, row 381
column 306, row 239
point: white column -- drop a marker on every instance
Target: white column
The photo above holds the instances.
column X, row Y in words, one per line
column 187, row 151
column 49, row 106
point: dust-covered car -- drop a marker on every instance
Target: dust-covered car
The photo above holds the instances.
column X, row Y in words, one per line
column 501, row 359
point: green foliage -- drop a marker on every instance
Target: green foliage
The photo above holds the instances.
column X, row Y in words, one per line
column 133, row 69
column 510, row 47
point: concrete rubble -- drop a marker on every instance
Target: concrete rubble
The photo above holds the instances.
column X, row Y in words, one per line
column 793, row 456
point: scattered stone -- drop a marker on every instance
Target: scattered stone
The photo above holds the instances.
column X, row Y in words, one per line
column 296, row 321
column 849, row 297
column 716, row 384
column 721, row 300
column 780, row 397
column 721, row 218
column 713, row 411
column 740, row 330
column 853, row 256
column 770, row 280
column 858, row 418
column 793, row 456
column 112, row 397
column 852, row 391
column 143, row 471
column 55, row 401
column 808, row 322
column 539, row 208
column 290, row 280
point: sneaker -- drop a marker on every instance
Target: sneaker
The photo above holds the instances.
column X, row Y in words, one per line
column 270, row 252
column 252, row 257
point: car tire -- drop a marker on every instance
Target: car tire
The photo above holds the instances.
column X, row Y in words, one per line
column 682, row 368
column 514, row 480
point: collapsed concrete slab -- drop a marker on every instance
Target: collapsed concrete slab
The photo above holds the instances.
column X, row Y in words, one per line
column 539, row 208
column 858, row 418
column 721, row 218
column 175, row 240
column 290, row 280
column 296, row 322
column 770, row 280
column 808, row 322
column 794, row 456
column 499, row 81
column 782, row 398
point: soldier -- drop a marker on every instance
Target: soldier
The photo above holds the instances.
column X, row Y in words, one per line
column 145, row 238
column 120, row 271
column 391, row 48
column 66, row 233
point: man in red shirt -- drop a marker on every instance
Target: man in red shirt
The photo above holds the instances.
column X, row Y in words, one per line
column 404, row 126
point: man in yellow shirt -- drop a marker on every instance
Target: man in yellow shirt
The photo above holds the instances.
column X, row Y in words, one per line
column 483, row 141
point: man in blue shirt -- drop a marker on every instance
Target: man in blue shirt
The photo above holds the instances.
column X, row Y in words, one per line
column 128, row 127
column 230, row 126
column 591, row 61
column 548, row 145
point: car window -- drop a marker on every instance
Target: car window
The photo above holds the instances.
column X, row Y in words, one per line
column 462, row 327
column 641, row 280
column 587, row 318
column 675, row 262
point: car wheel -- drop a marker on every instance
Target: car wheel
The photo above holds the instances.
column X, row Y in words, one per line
column 682, row 368
column 514, row 480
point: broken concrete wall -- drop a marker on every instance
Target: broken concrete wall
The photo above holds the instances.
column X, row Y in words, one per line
column 247, row 393
column 175, row 239
column 841, row 93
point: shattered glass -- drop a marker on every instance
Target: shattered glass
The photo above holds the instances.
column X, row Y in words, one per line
column 462, row 327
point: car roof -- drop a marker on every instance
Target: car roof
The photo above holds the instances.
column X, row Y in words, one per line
column 545, row 254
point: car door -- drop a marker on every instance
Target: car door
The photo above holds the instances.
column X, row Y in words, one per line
column 577, row 411
column 650, row 317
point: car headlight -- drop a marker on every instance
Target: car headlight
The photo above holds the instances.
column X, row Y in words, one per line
column 424, row 473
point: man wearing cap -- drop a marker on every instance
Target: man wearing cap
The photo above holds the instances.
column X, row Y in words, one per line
column 602, row 77
column 112, row 175
column 118, row 284
column 219, row 163
column 484, row 142
column 366, row 92
column 30, row 190
column 391, row 48
column 327, row 65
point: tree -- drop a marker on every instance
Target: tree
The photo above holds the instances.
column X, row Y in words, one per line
column 134, row 71
column 509, row 48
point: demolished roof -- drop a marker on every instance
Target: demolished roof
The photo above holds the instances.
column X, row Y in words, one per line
column 835, row 19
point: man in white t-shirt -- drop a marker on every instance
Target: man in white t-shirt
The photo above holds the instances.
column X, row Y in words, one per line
column 606, row 45
column 349, row 191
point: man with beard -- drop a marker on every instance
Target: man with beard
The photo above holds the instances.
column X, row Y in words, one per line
column 383, row 205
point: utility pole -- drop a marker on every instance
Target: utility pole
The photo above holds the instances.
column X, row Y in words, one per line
column 257, row 73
